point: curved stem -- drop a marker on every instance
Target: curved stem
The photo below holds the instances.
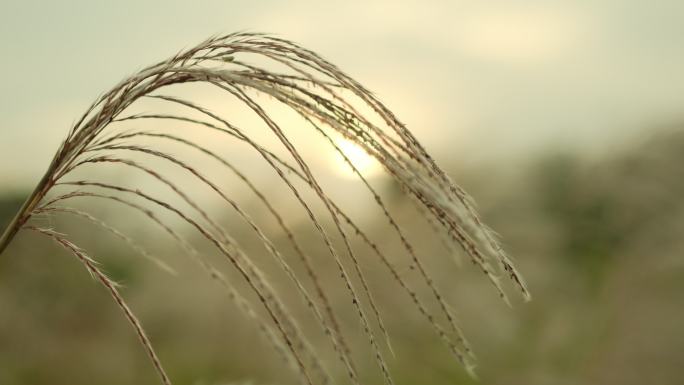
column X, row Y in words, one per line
column 24, row 212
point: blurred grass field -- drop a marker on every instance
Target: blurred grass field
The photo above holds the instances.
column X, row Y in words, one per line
column 598, row 239
column 550, row 114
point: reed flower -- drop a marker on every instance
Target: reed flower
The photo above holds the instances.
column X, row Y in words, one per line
column 328, row 100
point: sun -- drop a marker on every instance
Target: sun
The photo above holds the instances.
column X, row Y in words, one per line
column 364, row 163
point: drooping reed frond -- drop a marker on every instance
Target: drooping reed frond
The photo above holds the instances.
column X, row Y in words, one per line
column 331, row 104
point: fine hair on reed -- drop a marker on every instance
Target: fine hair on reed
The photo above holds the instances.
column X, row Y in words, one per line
column 249, row 67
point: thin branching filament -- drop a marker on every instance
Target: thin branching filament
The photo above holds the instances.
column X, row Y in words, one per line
column 265, row 76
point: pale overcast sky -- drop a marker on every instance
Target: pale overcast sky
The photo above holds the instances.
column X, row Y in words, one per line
column 491, row 79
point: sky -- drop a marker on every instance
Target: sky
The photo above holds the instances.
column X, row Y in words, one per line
column 475, row 81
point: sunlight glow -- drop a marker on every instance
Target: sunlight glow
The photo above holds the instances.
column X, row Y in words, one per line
column 365, row 163
column 521, row 35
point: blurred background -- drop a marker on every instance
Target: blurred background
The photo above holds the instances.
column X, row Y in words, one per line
column 563, row 120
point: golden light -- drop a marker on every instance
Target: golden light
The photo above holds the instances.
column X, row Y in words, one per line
column 364, row 163
column 520, row 35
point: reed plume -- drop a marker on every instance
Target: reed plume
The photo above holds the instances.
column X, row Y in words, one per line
column 330, row 102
